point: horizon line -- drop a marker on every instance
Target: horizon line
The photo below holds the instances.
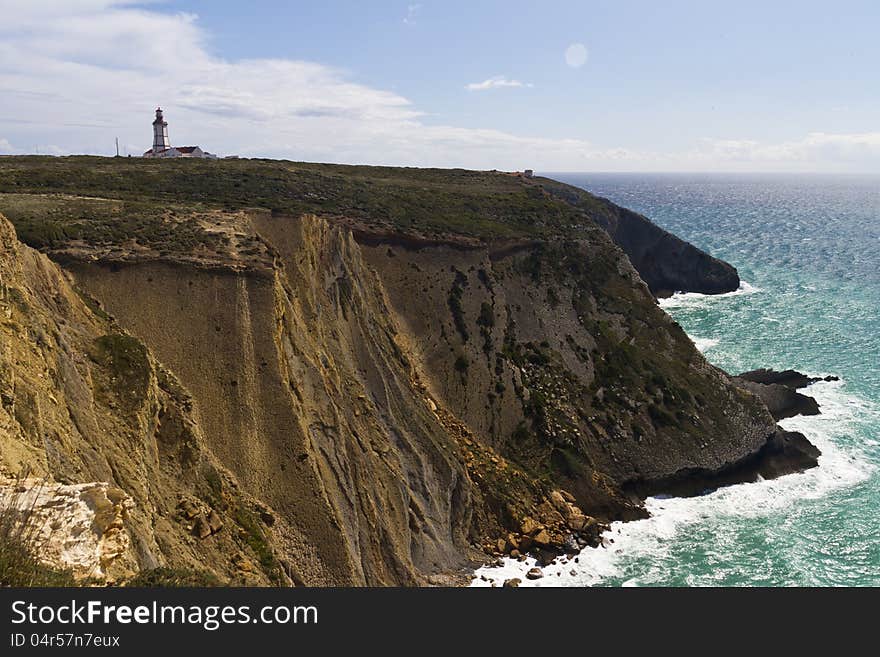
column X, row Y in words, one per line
column 543, row 172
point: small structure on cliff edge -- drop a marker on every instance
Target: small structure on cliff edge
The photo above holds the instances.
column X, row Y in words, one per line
column 162, row 146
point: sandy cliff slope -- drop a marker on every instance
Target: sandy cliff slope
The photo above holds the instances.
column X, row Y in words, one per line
column 108, row 442
column 435, row 367
column 343, row 384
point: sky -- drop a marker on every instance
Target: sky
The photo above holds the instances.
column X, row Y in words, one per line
column 589, row 85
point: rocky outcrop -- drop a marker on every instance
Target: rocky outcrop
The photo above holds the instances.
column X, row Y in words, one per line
column 558, row 355
column 787, row 452
column 356, row 405
column 665, row 262
column 782, row 401
column 778, row 390
column 788, row 378
column 78, row 528
column 109, row 437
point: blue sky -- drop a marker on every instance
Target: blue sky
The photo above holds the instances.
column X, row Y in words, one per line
column 745, row 86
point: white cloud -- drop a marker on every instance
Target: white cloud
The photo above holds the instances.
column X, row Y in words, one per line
column 497, row 82
column 814, row 150
column 7, row 148
column 96, row 73
column 69, row 78
column 76, row 75
column 576, row 55
column 412, row 13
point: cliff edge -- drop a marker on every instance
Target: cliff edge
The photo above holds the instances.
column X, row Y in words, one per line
column 359, row 375
column 665, row 262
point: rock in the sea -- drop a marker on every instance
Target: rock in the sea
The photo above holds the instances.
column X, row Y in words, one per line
column 785, row 452
column 534, row 573
column 782, row 401
column 545, row 557
column 788, row 378
column 570, row 545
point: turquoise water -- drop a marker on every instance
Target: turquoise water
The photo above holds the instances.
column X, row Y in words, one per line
column 807, row 249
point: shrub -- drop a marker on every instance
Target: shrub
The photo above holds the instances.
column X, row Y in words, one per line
column 125, row 358
column 256, row 540
column 487, row 316
column 455, row 305
column 173, row 578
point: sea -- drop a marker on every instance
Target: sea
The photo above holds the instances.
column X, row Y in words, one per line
column 807, row 248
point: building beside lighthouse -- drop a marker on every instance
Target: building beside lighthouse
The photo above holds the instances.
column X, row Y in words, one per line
column 162, row 145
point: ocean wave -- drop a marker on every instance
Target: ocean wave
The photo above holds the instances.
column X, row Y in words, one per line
column 648, row 542
column 685, row 299
column 702, row 344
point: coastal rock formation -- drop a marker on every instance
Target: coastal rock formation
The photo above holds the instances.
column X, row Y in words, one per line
column 785, row 453
column 109, row 439
column 788, row 378
column 781, row 400
column 778, row 390
column 539, row 349
column 78, row 528
column 326, row 391
column 665, row 262
column 788, row 452
column 521, row 357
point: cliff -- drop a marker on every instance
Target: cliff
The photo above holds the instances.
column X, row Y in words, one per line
column 665, row 262
column 375, row 377
column 465, row 207
column 118, row 477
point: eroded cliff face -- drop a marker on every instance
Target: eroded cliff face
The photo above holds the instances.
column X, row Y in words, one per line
column 443, row 365
column 106, row 435
column 398, row 403
column 558, row 355
column 305, row 395
column 80, row 528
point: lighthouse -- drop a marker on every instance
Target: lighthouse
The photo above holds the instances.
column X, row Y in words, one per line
column 160, row 133
column 162, row 146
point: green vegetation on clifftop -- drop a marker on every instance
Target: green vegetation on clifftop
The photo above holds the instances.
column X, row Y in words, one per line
column 428, row 202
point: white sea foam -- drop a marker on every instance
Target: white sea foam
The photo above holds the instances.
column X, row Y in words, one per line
column 704, row 343
column 685, row 299
column 649, row 541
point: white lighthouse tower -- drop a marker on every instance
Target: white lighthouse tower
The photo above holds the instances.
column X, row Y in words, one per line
column 162, row 146
column 160, row 133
